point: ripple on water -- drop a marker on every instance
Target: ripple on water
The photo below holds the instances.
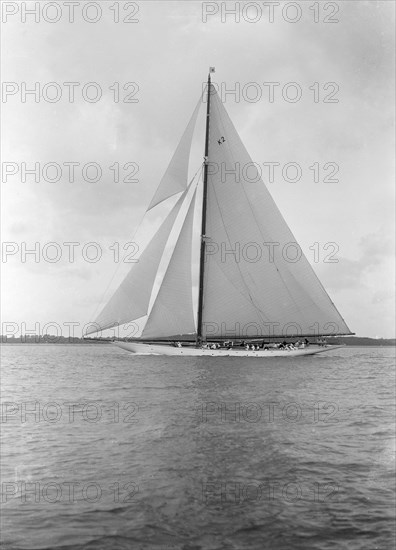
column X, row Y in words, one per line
column 198, row 454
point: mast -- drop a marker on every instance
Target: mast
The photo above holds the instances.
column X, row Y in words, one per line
column 203, row 227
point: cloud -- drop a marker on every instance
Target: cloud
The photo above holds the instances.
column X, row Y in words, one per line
column 375, row 250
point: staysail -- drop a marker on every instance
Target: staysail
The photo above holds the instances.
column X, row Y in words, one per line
column 131, row 300
column 173, row 312
column 257, row 281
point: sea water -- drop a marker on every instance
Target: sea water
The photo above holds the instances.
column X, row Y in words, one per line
column 102, row 449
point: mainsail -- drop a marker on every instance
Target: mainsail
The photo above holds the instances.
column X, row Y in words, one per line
column 253, row 283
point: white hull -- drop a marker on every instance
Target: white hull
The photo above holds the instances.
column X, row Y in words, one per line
column 161, row 349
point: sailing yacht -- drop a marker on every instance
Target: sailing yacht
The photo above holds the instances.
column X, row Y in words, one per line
column 247, row 291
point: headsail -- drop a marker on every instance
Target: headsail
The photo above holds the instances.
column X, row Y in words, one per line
column 172, row 312
column 176, row 176
column 248, row 291
column 131, row 299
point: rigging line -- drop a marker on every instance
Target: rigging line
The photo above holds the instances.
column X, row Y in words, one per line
column 258, row 226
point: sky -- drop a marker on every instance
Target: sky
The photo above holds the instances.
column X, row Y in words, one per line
column 147, row 76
